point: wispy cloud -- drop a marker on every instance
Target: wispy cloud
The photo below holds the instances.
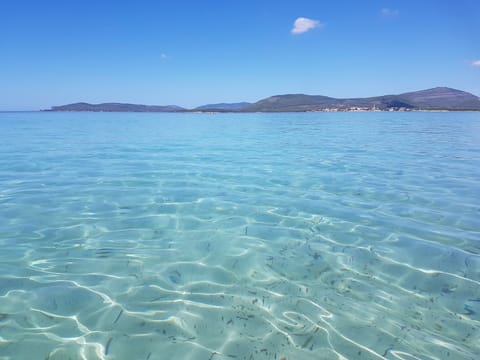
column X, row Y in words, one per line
column 302, row 25
column 389, row 12
column 164, row 56
column 475, row 63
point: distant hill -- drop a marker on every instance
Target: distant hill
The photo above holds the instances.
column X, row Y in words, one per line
column 439, row 98
column 293, row 102
column 223, row 107
column 111, row 107
column 442, row 97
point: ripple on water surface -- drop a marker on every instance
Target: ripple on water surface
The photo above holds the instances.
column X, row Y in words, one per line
column 286, row 236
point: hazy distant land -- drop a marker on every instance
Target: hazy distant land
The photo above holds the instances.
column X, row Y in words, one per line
column 439, row 98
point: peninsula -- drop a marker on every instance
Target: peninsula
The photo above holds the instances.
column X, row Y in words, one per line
column 439, row 98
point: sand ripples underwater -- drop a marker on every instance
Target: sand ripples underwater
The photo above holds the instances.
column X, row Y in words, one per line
column 287, row 236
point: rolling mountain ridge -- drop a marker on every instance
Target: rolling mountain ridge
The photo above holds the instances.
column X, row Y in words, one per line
column 439, row 98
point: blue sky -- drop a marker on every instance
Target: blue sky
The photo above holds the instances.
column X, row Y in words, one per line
column 189, row 53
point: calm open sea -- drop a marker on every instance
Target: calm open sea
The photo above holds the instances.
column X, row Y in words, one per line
column 240, row 236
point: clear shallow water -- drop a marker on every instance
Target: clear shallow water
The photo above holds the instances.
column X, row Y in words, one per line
column 255, row 236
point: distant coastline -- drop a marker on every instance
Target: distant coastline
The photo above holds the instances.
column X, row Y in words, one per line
column 435, row 99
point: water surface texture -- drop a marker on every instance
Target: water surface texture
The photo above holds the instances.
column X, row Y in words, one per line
column 247, row 236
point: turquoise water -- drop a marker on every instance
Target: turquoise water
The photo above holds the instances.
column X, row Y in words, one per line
column 248, row 236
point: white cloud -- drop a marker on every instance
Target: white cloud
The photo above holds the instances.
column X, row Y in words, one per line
column 389, row 12
column 476, row 63
column 164, row 57
column 302, row 25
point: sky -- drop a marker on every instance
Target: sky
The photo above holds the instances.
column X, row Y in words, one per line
column 190, row 53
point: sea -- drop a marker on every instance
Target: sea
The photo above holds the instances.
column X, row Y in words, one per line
column 240, row 236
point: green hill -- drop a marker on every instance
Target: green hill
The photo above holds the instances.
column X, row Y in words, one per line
column 440, row 98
